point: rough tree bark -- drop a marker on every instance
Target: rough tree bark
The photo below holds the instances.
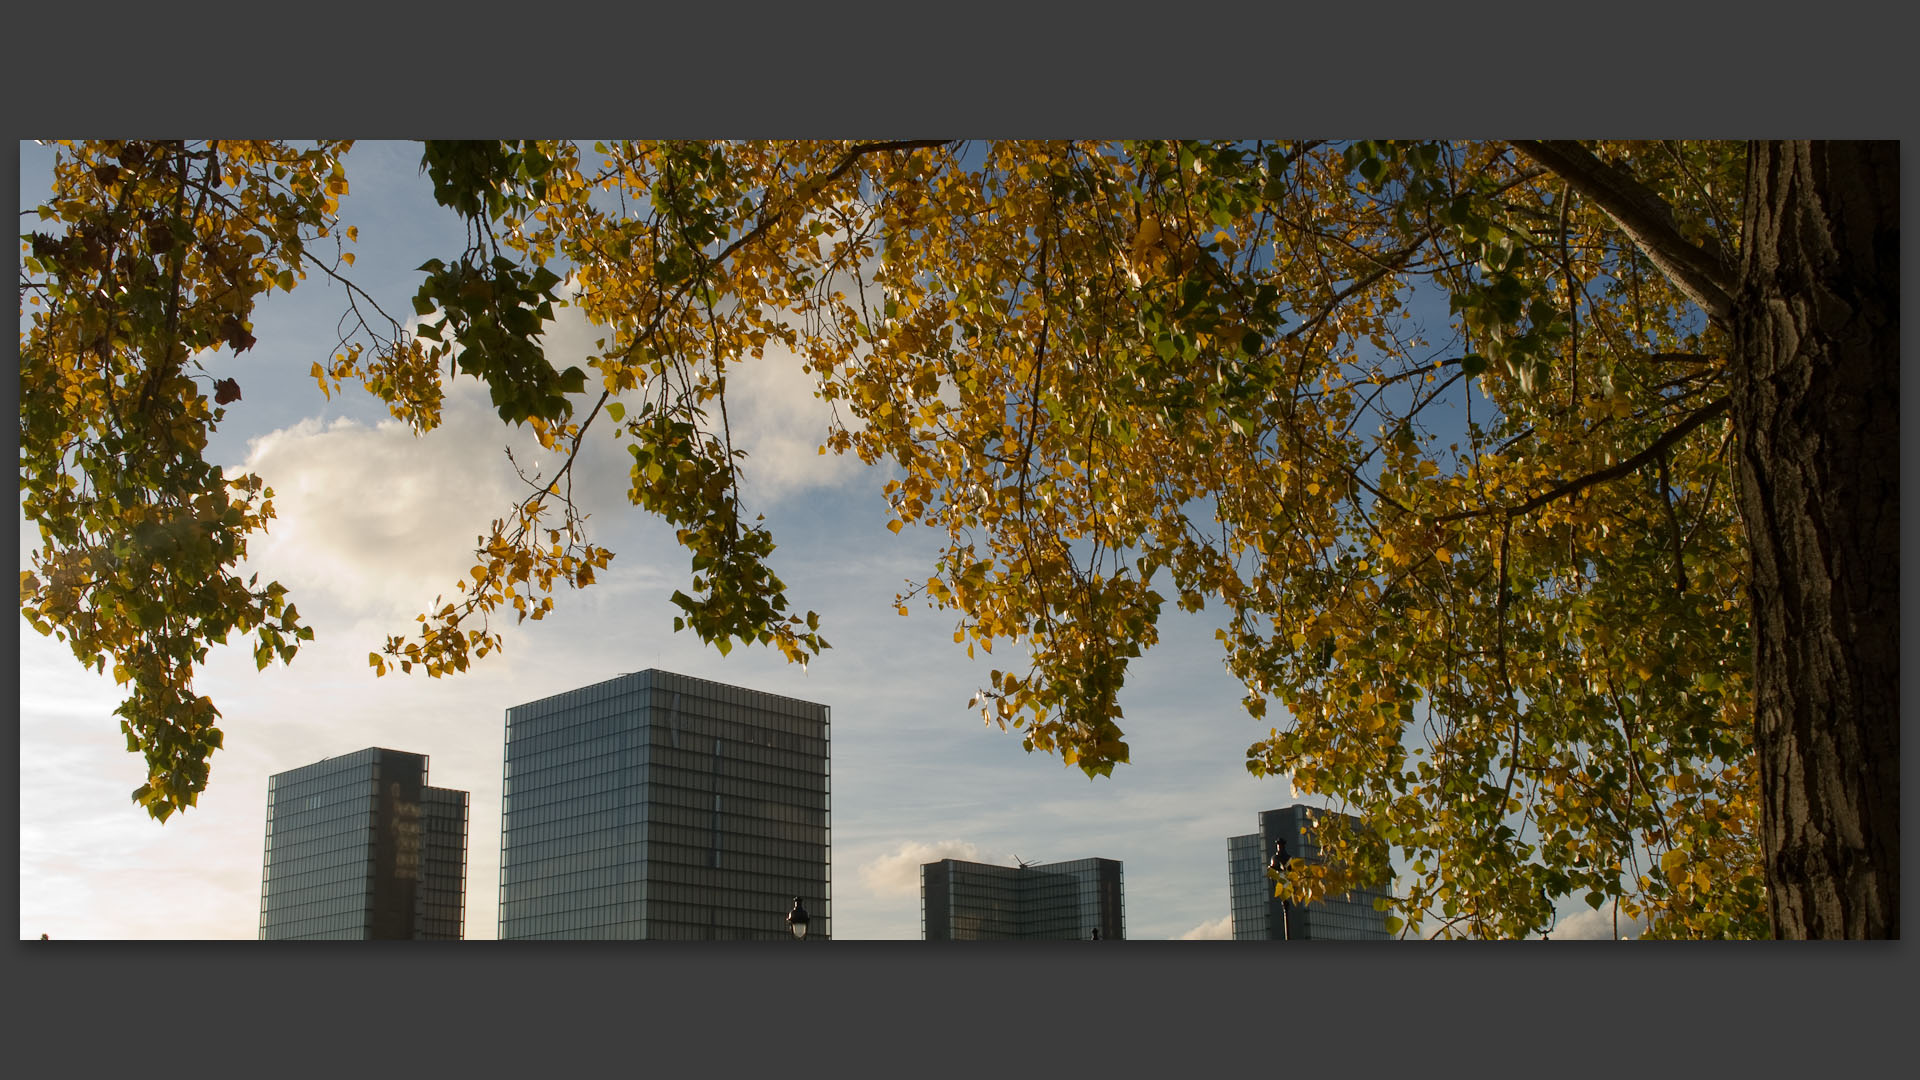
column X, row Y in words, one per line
column 1815, row 376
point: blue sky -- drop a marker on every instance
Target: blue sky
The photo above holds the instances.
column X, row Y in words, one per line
column 375, row 522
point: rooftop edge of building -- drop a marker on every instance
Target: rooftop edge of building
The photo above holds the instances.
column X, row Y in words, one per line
column 424, row 758
column 1027, row 866
column 651, row 677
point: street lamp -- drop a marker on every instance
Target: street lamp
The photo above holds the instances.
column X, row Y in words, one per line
column 1278, row 866
column 797, row 920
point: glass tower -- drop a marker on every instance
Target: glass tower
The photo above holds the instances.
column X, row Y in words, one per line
column 1258, row 916
column 656, row 806
column 969, row 901
column 1249, row 889
column 359, row 847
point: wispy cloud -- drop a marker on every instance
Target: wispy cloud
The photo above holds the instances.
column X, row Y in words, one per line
column 781, row 425
column 1220, row 929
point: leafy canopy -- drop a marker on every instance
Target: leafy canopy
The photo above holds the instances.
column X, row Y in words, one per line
column 1489, row 567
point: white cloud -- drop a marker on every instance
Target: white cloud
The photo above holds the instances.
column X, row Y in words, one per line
column 898, row 873
column 379, row 521
column 1590, row 925
column 772, row 412
column 1220, row 929
column 377, row 518
column 781, row 425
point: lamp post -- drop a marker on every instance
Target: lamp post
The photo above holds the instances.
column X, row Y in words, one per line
column 797, row 920
column 1278, row 865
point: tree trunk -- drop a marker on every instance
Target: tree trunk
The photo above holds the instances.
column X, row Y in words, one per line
column 1816, row 407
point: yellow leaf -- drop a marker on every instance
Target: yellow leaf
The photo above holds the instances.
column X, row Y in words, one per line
column 1148, row 235
column 895, row 525
column 1672, row 863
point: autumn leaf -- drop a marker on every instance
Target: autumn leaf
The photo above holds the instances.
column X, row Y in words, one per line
column 235, row 334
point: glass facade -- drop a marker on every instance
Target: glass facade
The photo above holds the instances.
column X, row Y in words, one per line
column 359, row 847
column 1249, row 888
column 1258, row 916
column 442, row 902
column 969, row 901
column 657, row 806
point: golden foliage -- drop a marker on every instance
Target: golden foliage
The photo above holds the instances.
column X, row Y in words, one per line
column 1490, row 571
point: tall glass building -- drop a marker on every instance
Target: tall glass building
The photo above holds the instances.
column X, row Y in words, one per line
column 656, row 806
column 359, row 847
column 1257, row 916
column 969, row 901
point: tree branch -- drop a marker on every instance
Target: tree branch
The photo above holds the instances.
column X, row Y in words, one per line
column 1613, row 472
column 1707, row 277
column 1390, row 263
column 854, row 153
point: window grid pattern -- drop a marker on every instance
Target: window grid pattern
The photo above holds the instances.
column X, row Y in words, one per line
column 1249, row 888
column 968, row 901
column 1257, row 915
column 655, row 806
column 334, row 849
column 440, row 901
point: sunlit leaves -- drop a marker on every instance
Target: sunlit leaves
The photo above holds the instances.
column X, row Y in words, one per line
column 1105, row 369
column 651, row 280
column 154, row 252
column 1482, row 576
